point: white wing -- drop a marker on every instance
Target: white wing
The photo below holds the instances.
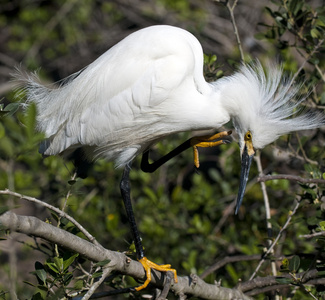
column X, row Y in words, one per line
column 118, row 102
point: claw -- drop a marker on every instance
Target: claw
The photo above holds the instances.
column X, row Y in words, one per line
column 207, row 141
column 148, row 265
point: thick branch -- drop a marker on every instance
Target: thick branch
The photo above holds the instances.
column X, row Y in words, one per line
column 191, row 285
column 268, row 281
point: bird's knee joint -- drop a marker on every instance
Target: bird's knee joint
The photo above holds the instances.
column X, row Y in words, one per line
column 124, row 186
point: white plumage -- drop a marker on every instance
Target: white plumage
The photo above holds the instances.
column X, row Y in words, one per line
column 151, row 85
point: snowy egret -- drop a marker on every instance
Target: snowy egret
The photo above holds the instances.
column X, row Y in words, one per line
column 151, row 85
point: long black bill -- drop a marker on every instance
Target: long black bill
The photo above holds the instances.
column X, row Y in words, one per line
column 246, row 162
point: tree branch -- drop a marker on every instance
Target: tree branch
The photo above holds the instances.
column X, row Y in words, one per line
column 310, row 236
column 320, row 43
column 231, row 9
column 53, row 208
column 118, row 261
column 307, row 277
column 290, row 177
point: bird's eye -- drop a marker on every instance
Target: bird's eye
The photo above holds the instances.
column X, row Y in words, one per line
column 248, row 136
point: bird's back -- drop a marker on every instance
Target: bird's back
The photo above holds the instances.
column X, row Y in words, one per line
column 112, row 106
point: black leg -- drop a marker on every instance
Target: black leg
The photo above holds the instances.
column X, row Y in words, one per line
column 147, row 264
column 125, row 187
column 150, row 168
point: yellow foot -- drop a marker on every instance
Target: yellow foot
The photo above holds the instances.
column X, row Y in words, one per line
column 207, row 141
column 148, row 265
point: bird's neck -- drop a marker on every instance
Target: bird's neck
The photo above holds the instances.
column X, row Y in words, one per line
column 229, row 97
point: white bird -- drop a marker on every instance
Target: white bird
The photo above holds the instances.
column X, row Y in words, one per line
column 151, row 85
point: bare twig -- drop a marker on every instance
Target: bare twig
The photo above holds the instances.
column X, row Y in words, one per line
column 320, row 72
column 310, row 236
column 55, row 209
column 231, row 9
column 267, row 209
column 165, row 291
column 93, row 288
column 290, row 177
column 63, row 208
column 305, row 61
column 302, row 148
column 265, row 195
column 296, row 155
column 291, row 214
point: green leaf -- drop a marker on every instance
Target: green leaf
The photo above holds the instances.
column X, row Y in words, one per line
column 321, row 273
column 97, row 274
column 295, row 6
column 78, row 284
column 283, row 280
column 55, row 216
column 59, row 294
column 232, row 272
column 315, row 33
column 259, row 36
column 103, row 263
column 3, row 295
column 270, row 11
column 72, row 182
column 40, row 272
column 314, row 61
column 150, row 194
column 29, row 283
column 67, row 262
column 322, row 225
column 219, row 74
column 209, row 59
column 30, row 120
column 2, row 131
column 294, row 263
column 59, row 263
column 67, row 278
column 321, row 20
column 11, row 108
column 53, row 267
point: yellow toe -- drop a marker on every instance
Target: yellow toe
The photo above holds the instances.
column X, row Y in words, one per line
column 148, row 265
column 206, row 141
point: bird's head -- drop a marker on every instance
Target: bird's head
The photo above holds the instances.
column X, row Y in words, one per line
column 263, row 105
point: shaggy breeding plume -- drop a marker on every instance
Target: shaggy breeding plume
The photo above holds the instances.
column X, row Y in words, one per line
column 151, row 85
